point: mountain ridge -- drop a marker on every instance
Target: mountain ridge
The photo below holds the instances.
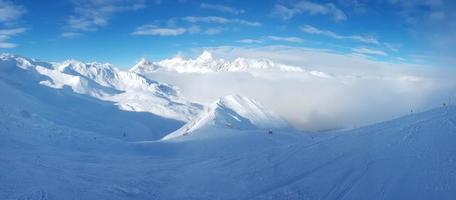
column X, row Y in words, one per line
column 130, row 91
column 206, row 63
column 233, row 112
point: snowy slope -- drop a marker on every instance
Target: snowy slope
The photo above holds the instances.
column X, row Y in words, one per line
column 233, row 112
column 412, row 157
column 407, row 158
column 130, row 91
column 206, row 63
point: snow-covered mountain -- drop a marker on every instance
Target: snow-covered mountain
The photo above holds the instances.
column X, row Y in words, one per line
column 206, row 63
column 233, row 112
column 93, row 97
column 130, row 91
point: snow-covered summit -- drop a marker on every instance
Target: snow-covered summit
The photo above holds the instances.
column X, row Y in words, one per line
column 205, row 56
column 233, row 112
column 206, row 63
column 144, row 66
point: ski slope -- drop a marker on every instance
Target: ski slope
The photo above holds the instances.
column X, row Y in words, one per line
column 408, row 158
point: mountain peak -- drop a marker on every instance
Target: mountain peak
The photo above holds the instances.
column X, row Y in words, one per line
column 144, row 61
column 233, row 112
column 144, row 65
column 206, row 55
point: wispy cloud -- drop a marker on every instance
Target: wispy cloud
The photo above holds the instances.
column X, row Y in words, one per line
column 286, row 39
column 365, row 39
column 222, row 8
column 158, row 31
column 250, row 41
column 220, row 20
column 284, row 12
column 12, row 32
column 430, row 11
column 154, row 30
column 310, row 8
column 213, row 31
column 7, row 45
column 70, row 34
column 369, row 51
column 91, row 15
column 10, row 11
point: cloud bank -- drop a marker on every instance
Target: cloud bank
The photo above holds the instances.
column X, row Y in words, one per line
column 359, row 91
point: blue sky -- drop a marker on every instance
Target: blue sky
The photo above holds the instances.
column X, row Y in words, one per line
column 122, row 31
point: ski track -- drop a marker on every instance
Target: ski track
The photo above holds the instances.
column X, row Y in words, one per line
column 294, row 179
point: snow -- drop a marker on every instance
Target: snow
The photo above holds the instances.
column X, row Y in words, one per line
column 64, row 142
column 233, row 112
column 130, row 91
column 206, row 63
column 144, row 66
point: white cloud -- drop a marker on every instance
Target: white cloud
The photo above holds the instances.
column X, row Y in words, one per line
column 250, row 41
column 91, row 15
column 284, row 12
column 175, row 31
column 286, row 39
column 213, row 31
column 220, row 20
column 12, row 32
column 193, row 29
column 369, row 51
column 359, row 38
column 158, row 31
column 321, row 9
column 10, row 11
column 7, row 45
column 6, row 34
column 310, row 8
column 222, row 8
column 70, row 34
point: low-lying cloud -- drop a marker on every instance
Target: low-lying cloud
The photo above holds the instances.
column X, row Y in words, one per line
column 360, row 91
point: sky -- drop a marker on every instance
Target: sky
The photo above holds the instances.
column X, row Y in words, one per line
column 123, row 31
